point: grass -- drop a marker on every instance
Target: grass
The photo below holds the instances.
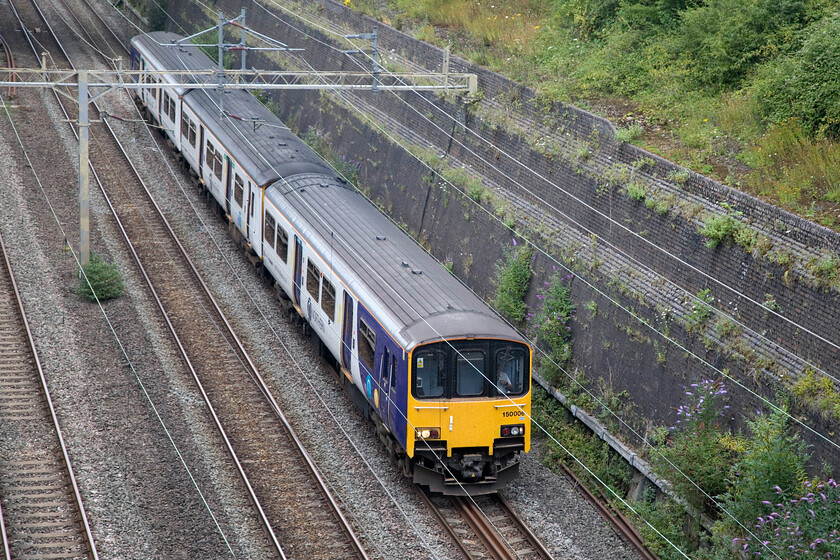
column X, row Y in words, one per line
column 627, row 63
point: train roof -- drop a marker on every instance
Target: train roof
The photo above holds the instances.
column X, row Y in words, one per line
column 399, row 282
column 265, row 148
column 160, row 51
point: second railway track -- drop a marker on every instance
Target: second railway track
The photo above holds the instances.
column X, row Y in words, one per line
column 300, row 514
column 41, row 510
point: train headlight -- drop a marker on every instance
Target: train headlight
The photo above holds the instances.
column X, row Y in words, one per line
column 427, row 433
column 513, row 431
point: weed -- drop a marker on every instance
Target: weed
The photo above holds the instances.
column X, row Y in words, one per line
column 746, row 237
column 817, row 392
column 721, row 227
column 824, row 268
column 771, row 303
column 700, row 310
column 679, row 176
column 725, row 327
column 637, row 191
column 101, row 280
column 629, row 134
column 476, row 192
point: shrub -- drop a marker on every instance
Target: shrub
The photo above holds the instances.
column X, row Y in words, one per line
column 773, row 458
column 800, row 525
column 100, row 281
column 722, row 40
column 628, row 134
column 696, row 457
column 157, row 16
column 513, row 274
column 805, row 84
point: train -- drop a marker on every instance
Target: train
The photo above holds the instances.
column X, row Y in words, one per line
column 445, row 381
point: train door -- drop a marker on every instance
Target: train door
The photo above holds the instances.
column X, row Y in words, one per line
column 237, row 202
column 385, row 385
column 393, row 392
column 347, row 332
column 250, row 205
column 201, row 153
column 298, row 269
column 228, row 186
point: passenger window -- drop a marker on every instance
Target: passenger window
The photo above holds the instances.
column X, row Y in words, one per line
column 429, row 372
column 328, row 298
column 169, row 106
column 282, row 244
column 268, row 229
column 313, row 279
column 188, row 129
column 510, row 371
column 238, row 190
column 367, row 344
column 470, row 372
column 217, row 164
column 209, row 154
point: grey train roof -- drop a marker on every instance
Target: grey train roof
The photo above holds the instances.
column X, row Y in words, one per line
column 418, row 296
column 377, row 260
column 266, row 150
column 159, row 51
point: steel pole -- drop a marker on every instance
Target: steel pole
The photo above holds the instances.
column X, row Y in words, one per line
column 84, row 170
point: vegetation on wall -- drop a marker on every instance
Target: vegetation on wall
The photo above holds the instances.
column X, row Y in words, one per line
column 549, row 324
column 513, row 275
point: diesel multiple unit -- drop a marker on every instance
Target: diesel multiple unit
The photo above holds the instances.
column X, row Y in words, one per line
column 446, row 382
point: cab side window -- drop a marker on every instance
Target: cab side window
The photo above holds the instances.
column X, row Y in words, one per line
column 510, row 371
column 429, row 374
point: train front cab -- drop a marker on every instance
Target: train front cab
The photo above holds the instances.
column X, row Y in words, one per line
column 468, row 412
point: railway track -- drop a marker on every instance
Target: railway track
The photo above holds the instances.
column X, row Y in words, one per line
column 486, row 527
column 616, row 519
column 298, row 513
column 41, row 511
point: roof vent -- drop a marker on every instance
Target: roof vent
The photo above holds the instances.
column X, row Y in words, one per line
column 416, row 271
